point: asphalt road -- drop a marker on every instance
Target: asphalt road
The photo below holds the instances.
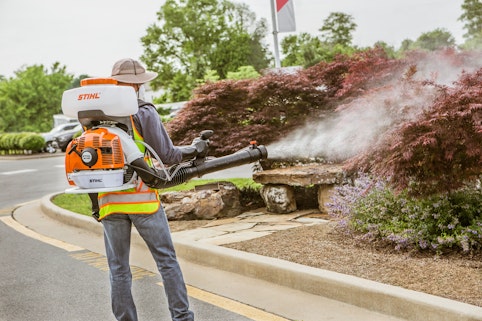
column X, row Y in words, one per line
column 23, row 180
column 42, row 282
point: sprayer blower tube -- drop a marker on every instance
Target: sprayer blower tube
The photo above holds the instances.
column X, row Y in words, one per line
column 245, row 156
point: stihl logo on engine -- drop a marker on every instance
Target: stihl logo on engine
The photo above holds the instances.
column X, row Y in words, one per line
column 95, row 180
column 88, row 96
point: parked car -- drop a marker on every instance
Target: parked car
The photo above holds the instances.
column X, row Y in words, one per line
column 49, row 137
column 63, row 139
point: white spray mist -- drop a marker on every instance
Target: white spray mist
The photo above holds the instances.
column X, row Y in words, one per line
column 362, row 123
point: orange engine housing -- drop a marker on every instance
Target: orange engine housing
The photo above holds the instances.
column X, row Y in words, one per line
column 105, row 145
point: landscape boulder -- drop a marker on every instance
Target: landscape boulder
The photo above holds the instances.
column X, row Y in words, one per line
column 205, row 202
column 279, row 199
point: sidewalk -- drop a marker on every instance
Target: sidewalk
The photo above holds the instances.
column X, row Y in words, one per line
column 290, row 290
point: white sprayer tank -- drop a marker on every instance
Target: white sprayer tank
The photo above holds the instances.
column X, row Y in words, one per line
column 113, row 100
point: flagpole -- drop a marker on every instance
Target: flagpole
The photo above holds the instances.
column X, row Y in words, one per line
column 277, row 63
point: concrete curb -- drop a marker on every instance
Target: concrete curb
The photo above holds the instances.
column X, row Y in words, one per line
column 374, row 296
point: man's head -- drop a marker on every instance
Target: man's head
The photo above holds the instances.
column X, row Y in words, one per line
column 130, row 71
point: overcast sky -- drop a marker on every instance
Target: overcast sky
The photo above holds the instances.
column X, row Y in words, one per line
column 88, row 36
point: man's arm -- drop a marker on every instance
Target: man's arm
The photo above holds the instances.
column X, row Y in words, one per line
column 156, row 136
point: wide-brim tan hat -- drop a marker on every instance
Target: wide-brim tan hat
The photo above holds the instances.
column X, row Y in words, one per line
column 131, row 71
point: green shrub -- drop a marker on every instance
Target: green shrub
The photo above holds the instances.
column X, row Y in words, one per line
column 243, row 72
column 8, row 141
column 3, row 140
column 21, row 141
column 31, row 142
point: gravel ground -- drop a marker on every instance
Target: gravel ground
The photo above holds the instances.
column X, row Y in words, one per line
column 451, row 276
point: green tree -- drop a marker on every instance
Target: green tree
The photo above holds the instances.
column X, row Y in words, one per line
column 301, row 50
column 472, row 18
column 307, row 50
column 434, row 40
column 76, row 81
column 30, row 99
column 242, row 45
column 473, row 43
column 389, row 50
column 211, row 75
column 338, row 29
column 193, row 37
column 243, row 72
column 406, row 45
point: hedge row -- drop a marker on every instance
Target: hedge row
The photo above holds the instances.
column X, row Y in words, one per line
column 15, row 143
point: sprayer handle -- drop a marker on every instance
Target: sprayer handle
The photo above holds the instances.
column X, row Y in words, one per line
column 206, row 134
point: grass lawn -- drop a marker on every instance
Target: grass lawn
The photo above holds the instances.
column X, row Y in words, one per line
column 80, row 203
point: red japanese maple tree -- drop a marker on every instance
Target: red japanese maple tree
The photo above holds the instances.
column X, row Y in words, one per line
column 438, row 150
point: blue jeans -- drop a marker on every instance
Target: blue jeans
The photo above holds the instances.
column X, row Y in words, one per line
column 154, row 229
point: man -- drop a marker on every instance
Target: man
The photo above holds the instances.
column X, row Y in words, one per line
column 141, row 206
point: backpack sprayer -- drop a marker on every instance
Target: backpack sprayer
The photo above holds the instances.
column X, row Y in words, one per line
column 106, row 158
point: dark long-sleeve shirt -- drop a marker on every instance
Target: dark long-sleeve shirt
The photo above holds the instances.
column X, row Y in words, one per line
column 150, row 127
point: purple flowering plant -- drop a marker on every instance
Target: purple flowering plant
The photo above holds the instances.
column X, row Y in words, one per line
column 371, row 210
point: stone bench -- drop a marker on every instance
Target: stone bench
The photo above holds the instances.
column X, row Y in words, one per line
column 278, row 191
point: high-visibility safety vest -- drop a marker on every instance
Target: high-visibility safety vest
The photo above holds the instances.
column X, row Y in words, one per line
column 138, row 200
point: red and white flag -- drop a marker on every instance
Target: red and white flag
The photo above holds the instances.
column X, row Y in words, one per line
column 286, row 15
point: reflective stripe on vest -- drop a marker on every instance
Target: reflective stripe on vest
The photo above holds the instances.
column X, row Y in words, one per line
column 137, row 137
column 138, row 200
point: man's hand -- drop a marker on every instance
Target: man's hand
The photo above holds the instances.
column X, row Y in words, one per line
column 201, row 146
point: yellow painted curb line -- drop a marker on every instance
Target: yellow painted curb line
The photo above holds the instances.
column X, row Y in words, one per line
column 233, row 306
column 8, row 220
